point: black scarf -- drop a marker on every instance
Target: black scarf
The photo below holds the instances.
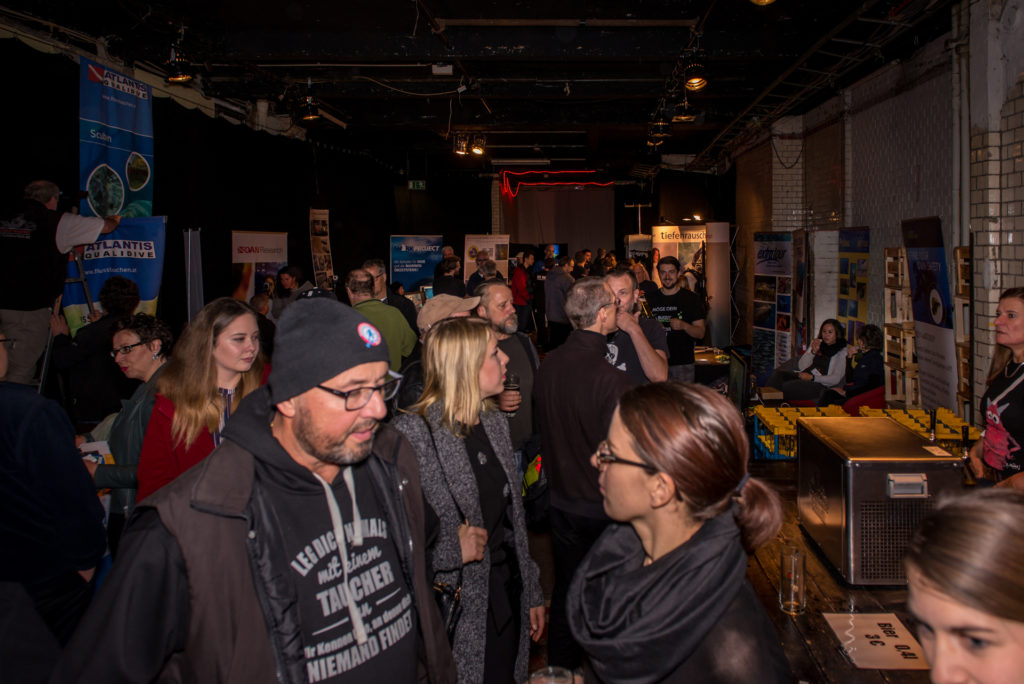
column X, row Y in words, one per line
column 825, row 353
column 638, row 623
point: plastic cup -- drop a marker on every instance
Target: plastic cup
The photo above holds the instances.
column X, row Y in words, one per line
column 792, row 594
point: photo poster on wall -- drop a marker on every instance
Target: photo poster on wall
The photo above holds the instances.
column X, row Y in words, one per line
column 115, row 143
column 800, row 326
column 687, row 244
column 256, row 257
column 497, row 248
column 852, row 303
column 413, row 260
column 135, row 250
column 773, row 301
column 320, row 248
column 931, row 304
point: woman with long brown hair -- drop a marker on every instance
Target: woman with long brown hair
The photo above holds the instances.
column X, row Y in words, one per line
column 999, row 454
column 664, row 596
column 964, row 566
column 215, row 365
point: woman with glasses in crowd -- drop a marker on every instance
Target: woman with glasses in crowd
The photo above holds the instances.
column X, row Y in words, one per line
column 216, row 364
column 469, row 478
column 964, row 567
column 141, row 346
column 664, row 596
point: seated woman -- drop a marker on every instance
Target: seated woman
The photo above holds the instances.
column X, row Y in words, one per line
column 469, row 478
column 823, row 365
column 215, row 365
column 664, row 596
column 964, row 567
column 141, row 345
column 865, row 368
column 95, row 387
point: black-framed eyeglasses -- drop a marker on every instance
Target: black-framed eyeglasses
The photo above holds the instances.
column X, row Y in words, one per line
column 359, row 397
column 124, row 350
column 11, row 342
column 605, row 456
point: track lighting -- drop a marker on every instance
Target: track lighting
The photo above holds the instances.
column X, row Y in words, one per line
column 310, row 108
column 479, row 141
column 695, row 75
column 179, row 70
column 461, row 145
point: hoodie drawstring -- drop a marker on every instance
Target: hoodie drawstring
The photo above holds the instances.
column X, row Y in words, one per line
column 358, row 628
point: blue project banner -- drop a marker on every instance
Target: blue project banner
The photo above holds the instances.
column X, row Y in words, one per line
column 413, row 259
column 115, row 143
column 134, row 251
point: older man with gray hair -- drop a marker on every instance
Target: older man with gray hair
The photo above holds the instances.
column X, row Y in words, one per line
column 575, row 395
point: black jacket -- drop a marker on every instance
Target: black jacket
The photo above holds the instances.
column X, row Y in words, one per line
column 200, row 585
column 575, row 394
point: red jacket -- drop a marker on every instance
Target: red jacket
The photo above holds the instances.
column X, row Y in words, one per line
column 161, row 461
column 519, row 287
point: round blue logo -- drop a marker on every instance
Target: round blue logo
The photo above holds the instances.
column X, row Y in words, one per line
column 369, row 334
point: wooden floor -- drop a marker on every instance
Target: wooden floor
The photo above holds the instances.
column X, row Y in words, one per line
column 811, row 646
column 809, row 643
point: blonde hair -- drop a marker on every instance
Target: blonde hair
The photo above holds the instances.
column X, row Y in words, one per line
column 453, row 353
column 190, row 379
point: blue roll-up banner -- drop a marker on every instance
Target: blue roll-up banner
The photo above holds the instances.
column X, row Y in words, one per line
column 135, row 251
column 414, row 258
column 115, row 143
column 934, row 339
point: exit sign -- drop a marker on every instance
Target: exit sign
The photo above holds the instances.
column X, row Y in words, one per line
column 417, row 185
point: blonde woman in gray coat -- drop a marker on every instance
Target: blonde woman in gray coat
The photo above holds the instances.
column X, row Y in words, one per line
column 469, row 478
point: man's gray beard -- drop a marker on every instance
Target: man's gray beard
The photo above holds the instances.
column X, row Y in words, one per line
column 339, row 455
column 509, row 327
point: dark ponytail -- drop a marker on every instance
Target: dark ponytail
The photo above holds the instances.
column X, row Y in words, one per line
column 697, row 438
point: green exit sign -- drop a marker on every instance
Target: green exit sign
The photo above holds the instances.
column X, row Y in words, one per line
column 417, row 185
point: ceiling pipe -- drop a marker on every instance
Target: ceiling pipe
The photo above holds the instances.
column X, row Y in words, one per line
column 438, row 30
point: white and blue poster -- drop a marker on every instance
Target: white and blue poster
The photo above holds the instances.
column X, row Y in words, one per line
column 931, row 303
column 773, row 301
column 134, row 251
column 115, row 143
column 414, row 258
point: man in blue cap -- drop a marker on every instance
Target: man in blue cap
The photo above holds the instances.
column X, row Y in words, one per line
column 294, row 552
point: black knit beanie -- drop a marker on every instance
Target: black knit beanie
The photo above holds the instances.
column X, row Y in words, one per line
column 318, row 339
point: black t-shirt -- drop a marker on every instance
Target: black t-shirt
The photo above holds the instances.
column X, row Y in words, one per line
column 684, row 305
column 622, row 352
column 31, row 269
column 521, row 363
column 1004, row 421
column 375, row 580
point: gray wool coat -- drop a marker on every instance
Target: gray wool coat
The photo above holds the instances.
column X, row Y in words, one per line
column 452, row 466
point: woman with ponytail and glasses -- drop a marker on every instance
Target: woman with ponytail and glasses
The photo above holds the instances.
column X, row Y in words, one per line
column 215, row 365
column 663, row 596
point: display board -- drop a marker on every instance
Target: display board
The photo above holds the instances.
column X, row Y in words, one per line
column 255, row 260
column 115, row 143
column 852, row 302
column 413, row 260
column 320, row 248
column 135, row 250
column 773, row 300
column 931, row 304
column 497, row 247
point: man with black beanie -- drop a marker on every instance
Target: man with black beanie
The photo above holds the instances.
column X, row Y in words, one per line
column 295, row 551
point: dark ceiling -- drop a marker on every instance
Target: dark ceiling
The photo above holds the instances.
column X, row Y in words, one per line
column 563, row 83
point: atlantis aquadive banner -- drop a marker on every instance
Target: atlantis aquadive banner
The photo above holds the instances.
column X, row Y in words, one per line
column 115, row 143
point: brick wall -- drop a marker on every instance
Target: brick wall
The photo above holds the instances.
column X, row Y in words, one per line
column 901, row 148
column 997, row 222
column 753, row 214
column 788, row 204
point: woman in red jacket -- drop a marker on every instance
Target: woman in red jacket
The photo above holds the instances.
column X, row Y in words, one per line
column 216, row 364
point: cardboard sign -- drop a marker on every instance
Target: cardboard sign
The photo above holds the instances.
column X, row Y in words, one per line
column 877, row 641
